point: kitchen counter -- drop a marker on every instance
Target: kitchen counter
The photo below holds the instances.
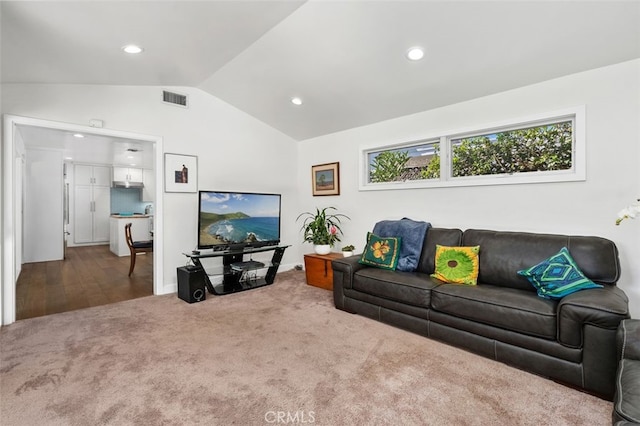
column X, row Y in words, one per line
column 141, row 230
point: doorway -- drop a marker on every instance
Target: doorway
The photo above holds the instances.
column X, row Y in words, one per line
column 89, row 276
column 12, row 200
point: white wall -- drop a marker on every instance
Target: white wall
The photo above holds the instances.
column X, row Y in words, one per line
column 612, row 99
column 235, row 151
column 19, row 167
column 43, row 209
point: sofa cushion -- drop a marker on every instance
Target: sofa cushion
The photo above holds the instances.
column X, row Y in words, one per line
column 505, row 253
column 435, row 236
column 413, row 288
column 510, row 309
column 457, row 265
column 382, row 252
column 557, row 276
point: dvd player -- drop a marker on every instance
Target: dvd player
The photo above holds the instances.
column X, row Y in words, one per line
column 249, row 264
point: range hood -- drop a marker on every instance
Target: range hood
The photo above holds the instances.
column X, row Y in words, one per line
column 127, row 184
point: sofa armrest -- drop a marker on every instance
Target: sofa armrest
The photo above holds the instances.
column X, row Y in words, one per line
column 599, row 307
column 347, row 266
column 628, row 339
column 343, row 271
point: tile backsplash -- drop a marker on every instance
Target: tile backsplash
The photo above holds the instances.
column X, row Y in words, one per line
column 127, row 200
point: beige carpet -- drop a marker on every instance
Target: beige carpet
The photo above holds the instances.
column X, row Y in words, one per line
column 281, row 354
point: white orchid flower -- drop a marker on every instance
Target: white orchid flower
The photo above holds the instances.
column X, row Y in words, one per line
column 629, row 212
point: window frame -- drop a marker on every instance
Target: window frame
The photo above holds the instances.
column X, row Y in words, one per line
column 577, row 172
column 394, row 148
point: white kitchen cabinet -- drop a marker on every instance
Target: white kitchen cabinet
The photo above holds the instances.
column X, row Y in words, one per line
column 140, row 231
column 149, row 190
column 126, row 174
column 92, row 204
column 92, row 175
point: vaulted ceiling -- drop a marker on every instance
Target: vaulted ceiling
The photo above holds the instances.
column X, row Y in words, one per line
column 344, row 59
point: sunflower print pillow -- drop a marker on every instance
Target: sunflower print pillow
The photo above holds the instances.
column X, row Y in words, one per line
column 457, row 265
column 382, row 252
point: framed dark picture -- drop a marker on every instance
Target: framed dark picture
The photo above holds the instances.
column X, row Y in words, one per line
column 325, row 179
column 180, row 173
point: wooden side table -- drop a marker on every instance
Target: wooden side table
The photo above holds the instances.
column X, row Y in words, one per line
column 318, row 269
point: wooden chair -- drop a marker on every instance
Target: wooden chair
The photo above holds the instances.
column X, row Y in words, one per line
column 136, row 247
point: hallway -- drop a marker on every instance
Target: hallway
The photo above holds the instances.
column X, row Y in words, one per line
column 90, row 276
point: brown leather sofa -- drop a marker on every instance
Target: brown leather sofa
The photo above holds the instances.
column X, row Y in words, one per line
column 571, row 340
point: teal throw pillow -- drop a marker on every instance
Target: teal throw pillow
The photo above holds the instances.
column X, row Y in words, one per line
column 557, row 276
column 382, row 252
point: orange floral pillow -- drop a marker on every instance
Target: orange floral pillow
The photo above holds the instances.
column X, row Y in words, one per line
column 382, row 252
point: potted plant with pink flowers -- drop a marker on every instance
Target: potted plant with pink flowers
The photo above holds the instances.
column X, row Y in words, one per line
column 322, row 228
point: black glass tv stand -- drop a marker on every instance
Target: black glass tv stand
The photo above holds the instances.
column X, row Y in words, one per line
column 237, row 273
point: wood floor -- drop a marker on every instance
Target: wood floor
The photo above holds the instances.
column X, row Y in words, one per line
column 89, row 276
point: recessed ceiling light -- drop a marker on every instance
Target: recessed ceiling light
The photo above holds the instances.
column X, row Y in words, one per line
column 132, row 48
column 415, row 53
column 296, row 101
column 78, row 135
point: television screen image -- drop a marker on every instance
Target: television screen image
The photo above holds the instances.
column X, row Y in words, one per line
column 238, row 219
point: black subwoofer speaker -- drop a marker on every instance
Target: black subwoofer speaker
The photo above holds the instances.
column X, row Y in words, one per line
column 191, row 286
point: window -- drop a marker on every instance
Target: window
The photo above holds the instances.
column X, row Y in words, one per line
column 522, row 150
column 408, row 163
column 547, row 148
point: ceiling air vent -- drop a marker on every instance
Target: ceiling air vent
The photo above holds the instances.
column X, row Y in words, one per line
column 174, row 98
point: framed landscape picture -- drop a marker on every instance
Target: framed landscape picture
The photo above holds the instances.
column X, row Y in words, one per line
column 180, row 173
column 325, row 179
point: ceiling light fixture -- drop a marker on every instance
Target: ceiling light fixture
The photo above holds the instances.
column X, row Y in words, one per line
column 78, row 135
column 296, row 101
column 415, row 53
column 132, row 48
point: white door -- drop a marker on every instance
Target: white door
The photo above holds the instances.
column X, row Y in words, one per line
column 83, row 214
column 43, row 231
column 102, row 176
column 92, row 205
column 83, row 175
column 102, row 210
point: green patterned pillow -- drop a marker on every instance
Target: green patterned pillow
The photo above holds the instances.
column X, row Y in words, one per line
column 382, row 252
column 557, row 276
column 457, row 265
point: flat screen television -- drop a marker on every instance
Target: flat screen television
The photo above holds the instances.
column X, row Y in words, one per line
column 234, row 220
